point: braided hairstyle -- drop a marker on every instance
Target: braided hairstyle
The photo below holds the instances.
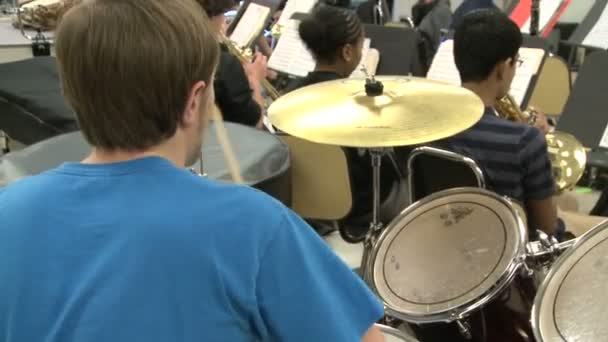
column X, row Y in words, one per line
column 327, row 29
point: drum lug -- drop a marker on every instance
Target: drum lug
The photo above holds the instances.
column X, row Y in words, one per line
column 526, row 271
column 464, row 328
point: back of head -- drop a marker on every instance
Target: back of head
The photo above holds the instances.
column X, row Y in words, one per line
column 127, row 67
column 327, row 29
column 483, row 39
column 216, row 7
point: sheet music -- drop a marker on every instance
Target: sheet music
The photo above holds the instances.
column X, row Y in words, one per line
column 364, row 61
column 444, row 69
column 295, row 6
column 291, row 55
column 598, row 36
column 532, row 59
column 547, row 8
column 604, row 140
column 250, row 24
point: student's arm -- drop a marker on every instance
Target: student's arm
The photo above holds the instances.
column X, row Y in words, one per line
column 234, row 95
column 538, row 183
column 373, row 335
column 306, row 293
column 543, row 214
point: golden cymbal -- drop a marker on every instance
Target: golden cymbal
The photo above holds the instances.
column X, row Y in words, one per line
column 409, row 111
column 568, row 159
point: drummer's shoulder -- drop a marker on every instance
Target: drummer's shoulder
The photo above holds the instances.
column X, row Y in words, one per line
column 244, row 199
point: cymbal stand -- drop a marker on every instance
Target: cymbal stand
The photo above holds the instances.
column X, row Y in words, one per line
column 376, row 225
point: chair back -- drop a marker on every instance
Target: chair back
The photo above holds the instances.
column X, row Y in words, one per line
column 320, row 183
column 432, row 169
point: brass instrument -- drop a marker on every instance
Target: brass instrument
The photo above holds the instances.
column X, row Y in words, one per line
column 509, row 109
column 275, row 31
column 245, row 56
column 567, row 155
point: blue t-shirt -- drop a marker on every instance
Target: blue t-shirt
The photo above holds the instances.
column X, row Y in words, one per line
column 144, row 251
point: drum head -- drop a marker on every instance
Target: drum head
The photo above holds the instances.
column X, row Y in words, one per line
column 571, row 304
column 447, row 254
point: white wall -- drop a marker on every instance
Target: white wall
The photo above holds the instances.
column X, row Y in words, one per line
column 577, row 11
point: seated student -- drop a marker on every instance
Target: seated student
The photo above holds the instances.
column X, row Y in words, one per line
column 128, row 245
column 238, row 87
column 513, row 156
column 431, row 17
column 468, row 6
column 335, row 37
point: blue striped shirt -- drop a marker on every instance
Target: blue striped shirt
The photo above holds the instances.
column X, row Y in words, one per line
column 513, row 156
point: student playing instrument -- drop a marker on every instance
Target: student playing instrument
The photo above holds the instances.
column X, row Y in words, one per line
column 335, row 37
column 127, row 245
column 238, row 87
column 513, row 156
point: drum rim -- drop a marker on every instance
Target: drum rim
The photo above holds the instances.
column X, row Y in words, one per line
column 392, row 331
column 555, row 268
column 465, row 309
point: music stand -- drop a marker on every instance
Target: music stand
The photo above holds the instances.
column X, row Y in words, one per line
column 584, row 114
column 398, row 47
column 578, row 37
column 272, row 4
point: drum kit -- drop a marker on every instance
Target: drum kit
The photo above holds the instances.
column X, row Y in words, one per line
column 460, row 256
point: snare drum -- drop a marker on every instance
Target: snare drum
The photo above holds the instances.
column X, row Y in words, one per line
column 447, row 255
column 394, row 335
column 571, row 304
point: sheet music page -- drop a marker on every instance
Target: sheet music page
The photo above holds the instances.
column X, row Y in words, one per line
column 598, row 36
column 250, row 24
column 604, row 140
column 444, row 69
column 532, row 59
column 547, row 8
column 295, row 6
column 358, row 72
column 291, row 55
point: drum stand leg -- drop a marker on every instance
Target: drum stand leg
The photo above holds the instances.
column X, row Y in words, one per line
column 465, row 329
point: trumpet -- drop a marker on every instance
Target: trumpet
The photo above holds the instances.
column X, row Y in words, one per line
column 245, row 55
column 567, row 155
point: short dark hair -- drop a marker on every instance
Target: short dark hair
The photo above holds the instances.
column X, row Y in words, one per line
column 327, row 29
column 483, row 39
column 127, row 67
column 216, row 7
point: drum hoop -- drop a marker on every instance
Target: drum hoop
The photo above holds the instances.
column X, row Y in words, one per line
column 555, row 268
column 392, row 331
column 465, row 309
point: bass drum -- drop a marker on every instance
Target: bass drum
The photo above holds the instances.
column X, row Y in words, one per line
column 571, row 304
column 453, row 256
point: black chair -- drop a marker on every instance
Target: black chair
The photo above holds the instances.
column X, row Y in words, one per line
column 432, row 169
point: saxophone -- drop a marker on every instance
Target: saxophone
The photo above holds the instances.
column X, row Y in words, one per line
column 567, row 155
